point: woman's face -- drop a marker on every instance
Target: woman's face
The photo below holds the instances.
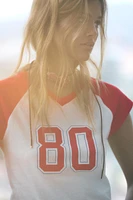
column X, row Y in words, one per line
column 85, row 42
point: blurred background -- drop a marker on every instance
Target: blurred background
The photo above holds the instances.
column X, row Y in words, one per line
column 117, row 67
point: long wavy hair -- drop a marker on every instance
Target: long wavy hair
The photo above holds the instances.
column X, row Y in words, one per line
column 38, row 36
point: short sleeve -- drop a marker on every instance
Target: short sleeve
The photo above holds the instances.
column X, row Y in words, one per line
column 122, row 110
column 116, row 101
column 12, row 90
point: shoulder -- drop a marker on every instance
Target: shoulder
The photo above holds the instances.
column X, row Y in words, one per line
column 13, row 83
column 13, row 88
column 110, row 94
column 105, row 89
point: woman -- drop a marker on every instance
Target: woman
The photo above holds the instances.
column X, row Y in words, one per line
column 53, row 106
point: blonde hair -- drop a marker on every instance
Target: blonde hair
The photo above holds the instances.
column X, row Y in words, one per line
column 38, row 35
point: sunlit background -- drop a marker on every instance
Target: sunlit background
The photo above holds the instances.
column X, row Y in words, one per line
column 117, row 68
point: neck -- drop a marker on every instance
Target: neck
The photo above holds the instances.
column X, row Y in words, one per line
column 55, row 64
column 56, row 68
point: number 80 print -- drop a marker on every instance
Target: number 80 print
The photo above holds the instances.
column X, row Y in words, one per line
column 82, row 146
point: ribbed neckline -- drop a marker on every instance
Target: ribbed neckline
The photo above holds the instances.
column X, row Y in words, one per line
column 62, row 100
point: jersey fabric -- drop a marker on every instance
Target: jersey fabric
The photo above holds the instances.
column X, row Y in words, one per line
column 65, row 162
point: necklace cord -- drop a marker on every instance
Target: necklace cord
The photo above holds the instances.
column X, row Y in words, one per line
column 31, row 134
column 101, row 136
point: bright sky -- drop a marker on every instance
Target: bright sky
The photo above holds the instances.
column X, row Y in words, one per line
column 9, row 9
column 12, row 8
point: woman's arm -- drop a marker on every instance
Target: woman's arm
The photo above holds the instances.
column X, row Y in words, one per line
column 121, row 143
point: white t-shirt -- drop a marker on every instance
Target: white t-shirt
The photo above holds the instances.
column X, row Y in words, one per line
column 66, row 162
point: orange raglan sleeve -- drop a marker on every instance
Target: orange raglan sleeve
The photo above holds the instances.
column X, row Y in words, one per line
column 118, row 103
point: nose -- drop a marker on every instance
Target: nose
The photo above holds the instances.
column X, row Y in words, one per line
column 91, row 30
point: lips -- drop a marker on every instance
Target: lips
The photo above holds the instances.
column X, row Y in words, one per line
column 88, row 44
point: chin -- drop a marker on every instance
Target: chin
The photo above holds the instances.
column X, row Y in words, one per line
column 83, row 55
column 84, row 58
